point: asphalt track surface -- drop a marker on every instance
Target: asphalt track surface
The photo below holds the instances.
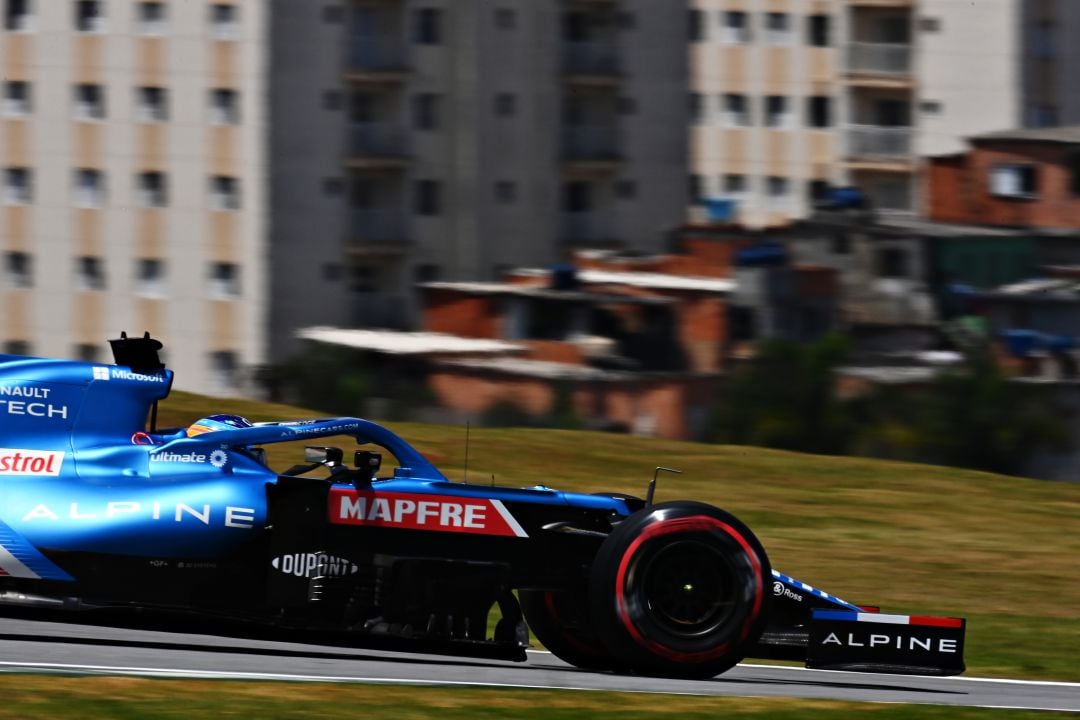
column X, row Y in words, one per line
column 37, row 646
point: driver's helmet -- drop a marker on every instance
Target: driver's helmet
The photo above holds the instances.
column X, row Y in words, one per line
column 214, row 423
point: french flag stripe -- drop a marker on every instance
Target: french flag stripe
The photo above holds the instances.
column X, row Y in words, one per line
column 936, row 621
column 886, row 619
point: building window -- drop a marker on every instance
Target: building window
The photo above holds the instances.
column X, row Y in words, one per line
column 426, row 111
column 1044, row 116
column 89, row 273
column 89, row 188
column 505, row 104
column 426, row 273
column 1043, row 39
column 892, row 262
column 427, row 200
column 930, row 107
column 224, row 371
column 696, row 108
column 428, row 26
column 85, row 352
column 362, row 279
column 817, row 30
column 89, row 102
column 333, row 100
column 818, row 191
column 333, row 14
column 149, row 277
column 505, row 18
column 17, row 15
column 777, row 192
column 930, row 24
column 736, row 110
column 695, row 188
column 735, row 186
column 819, row 111
column 18, row 186
column 506, row 192
column 333, row 186
column 626, row 189
column 696, row 26
column 17, row 98
column 224, row 21
column 577, row 197
column 777, row 28
column 777, row 112
column 151, row 18
column 224, row 193
column 18, row 270
column 735, row 27
column 1016, row 181
column 224, row 281
column 89, row 16
column 16, row 347
column 151, row 190
column 152, row 104
column 224, row 106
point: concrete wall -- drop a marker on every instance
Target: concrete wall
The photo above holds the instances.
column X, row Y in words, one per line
column 969, row 71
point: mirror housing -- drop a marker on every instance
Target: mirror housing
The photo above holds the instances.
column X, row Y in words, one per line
column 367, row 463
column 330, row 456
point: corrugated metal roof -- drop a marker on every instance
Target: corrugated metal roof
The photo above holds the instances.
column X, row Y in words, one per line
column 538, row 369
column 653, row 281
column 1067, row 134
column 393, row 342
column 510, row 289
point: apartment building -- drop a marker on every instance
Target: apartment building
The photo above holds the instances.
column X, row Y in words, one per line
column 789, row 96
column 437, row 140
column 134, row 170
column 223, row 172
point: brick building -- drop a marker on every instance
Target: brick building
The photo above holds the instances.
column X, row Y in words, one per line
column 1011, row 178
column 637, row 343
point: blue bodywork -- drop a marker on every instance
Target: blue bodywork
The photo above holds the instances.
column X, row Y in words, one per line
column 73, row 477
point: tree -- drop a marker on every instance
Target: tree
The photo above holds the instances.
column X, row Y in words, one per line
column 787, row 399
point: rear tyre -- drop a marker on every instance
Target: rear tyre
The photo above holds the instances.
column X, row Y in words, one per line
column 679, row 589
column 560, row 621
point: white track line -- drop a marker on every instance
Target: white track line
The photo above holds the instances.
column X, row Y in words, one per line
column 62, row 668
column 965, row 678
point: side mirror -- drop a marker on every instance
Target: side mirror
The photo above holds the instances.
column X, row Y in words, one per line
column 367, row 463
column 329, row 456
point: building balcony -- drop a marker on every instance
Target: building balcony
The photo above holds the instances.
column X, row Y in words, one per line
column 377, row 231
column 377, row 145
column 888, row 62
column 875, row 143
column 588, row 229
column 882, row 3
column 590, row 62
column 590, row 143
column 374, row 60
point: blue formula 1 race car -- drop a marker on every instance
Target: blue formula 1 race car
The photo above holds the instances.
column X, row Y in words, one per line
column 100, row 512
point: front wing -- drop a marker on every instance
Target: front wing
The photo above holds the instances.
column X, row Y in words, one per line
column 828, row 633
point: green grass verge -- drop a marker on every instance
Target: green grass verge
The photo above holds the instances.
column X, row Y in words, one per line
column 998, row 550
column 136, row 698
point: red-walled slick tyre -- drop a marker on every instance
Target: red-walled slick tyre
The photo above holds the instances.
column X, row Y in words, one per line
column 679, row 589
column 560, row 620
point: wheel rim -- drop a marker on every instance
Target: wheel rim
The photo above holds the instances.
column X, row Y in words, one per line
column 689, row 588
